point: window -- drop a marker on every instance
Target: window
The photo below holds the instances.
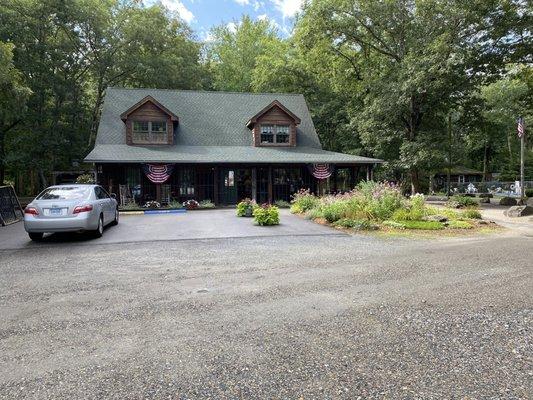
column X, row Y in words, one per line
column 267, row 133
column 275, row 134
column 65, row 193
column 150, row 132
column 100, row 193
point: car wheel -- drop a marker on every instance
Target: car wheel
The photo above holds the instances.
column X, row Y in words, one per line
column 35, row 236
column 100, row 230
column 115, row 221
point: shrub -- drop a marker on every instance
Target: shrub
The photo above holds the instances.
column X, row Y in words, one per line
column 362, row 224
column 459, row 225
column 266, row 214
column 471, row 214
column 245, row 208
column 529, row 192
column 486, row 195
column 85, row 178
column 314, row 213
column 152, row 204
column 423, row 225
column 508, row 201
column 282, row 204
column 191, row 204
column 175, row 204
column 377, row 200
column 461, row 202
column 207, row 204
column 303, row 200
column 334, row 211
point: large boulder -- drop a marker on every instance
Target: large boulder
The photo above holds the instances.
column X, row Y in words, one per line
column 519, row 211
column 508, row 201
column 437, row 218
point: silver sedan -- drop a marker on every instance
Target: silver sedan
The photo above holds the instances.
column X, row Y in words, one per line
column 70, row 208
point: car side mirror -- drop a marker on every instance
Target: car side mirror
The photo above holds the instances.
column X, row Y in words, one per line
column 113, row 196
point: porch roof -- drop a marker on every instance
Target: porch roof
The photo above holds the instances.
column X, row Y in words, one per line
column 122, row 153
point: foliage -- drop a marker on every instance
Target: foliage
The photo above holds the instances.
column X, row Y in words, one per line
column 528, row 192
column 282, row 204
column 394, row 224
column 461, row 202
column 508, row 201
column 206, row 204
column 423, row 225
column 361, row 224
column 266, row 214
column 302, row 201
column 459, row 225
column 175, row 204
column 471, row 214
column 85, row 178
column 191, row 204
column 152, row 204
column 245, row 208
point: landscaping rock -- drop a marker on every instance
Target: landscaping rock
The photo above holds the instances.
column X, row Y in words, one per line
column 485, row 200
column 530, row 201
column 519, row 211
column 507, row 201
column 486, row 195
column 438, row 218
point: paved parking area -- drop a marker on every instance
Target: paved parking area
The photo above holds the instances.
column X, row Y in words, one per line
column 201, row 224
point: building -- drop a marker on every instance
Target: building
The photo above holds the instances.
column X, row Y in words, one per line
column 178, row 145
column 460, row 177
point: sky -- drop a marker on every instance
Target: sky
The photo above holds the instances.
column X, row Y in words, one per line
column 202, row 15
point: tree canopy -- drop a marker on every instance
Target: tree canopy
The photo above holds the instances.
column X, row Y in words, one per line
column 389, row 79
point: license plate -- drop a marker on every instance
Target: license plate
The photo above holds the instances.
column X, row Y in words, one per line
column 55, row 212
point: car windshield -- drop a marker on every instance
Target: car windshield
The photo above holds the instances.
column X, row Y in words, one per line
column 65, row 193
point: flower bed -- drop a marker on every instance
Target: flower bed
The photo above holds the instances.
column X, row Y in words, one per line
column 373, row 206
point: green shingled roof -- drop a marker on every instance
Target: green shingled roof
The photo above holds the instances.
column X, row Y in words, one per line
column 212, row 129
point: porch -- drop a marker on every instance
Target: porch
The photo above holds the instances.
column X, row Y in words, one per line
column 225, row 183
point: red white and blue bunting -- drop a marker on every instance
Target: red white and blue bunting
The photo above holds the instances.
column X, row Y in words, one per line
column 158, row 173
column 321, row 171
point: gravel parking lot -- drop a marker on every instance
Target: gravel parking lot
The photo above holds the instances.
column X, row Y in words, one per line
column 285, row 316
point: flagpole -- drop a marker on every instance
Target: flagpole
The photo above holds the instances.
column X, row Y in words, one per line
column 522, row 188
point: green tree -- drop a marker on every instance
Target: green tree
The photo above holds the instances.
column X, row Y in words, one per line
column 236, row 50
column 13, row 97
column 415, row 61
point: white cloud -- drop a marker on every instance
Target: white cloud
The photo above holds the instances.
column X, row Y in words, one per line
column 232, row 27
column 258, row 5
column 288, row 8
column 262, row 17
column 178, row 7
column 242, row 2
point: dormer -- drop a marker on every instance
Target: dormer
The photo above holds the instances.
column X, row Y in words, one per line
column 274, row 125
column 148, row 122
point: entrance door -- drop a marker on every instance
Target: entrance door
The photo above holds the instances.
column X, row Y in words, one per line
column 227, row 186
column 244, row 183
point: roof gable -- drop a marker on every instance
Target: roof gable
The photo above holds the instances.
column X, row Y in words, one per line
column 142, row 102
column 275, row 103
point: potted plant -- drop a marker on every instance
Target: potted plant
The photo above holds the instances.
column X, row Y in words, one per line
column 266, row 215
column 245, row 208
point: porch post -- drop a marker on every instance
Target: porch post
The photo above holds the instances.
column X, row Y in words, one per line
column 334, row 180
column 215, row 187
column 368, row 172
column 254, row 184
column 158, row 192
column 270, row 189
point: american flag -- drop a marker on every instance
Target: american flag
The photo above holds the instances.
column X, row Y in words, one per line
column 521, row 127
column 158, row 173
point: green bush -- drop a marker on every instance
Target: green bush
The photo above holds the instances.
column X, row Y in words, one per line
column 459, row 225
column 314, row 213
column 471, row 214
column 130, row 206
column 282, row 204
column 85, row 178
column 334, row 211
column 377, row 201
column 423, row 225
column 303, row 201
column 461, row 202
column 266, row 215
column 245, row 207
column 508, row 201
column 529, row 192
column 362, row 224
column 207, row 204
column 174, row 204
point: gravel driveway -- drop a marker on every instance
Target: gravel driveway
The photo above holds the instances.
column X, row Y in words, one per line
column 283, row 317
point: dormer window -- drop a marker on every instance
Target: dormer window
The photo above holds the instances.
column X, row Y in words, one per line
column 274, row 134
column 149, row 132
column 274, row 125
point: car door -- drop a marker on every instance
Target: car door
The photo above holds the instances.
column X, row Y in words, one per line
column 102, row 202
column 110, row 205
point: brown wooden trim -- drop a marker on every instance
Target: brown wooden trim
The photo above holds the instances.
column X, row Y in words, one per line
column 125, row 114
column 275, row 103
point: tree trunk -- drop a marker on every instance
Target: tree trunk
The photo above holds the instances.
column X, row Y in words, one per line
column 485, row 162
column 2, row 159
column 42, row 180
column 415, row 181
